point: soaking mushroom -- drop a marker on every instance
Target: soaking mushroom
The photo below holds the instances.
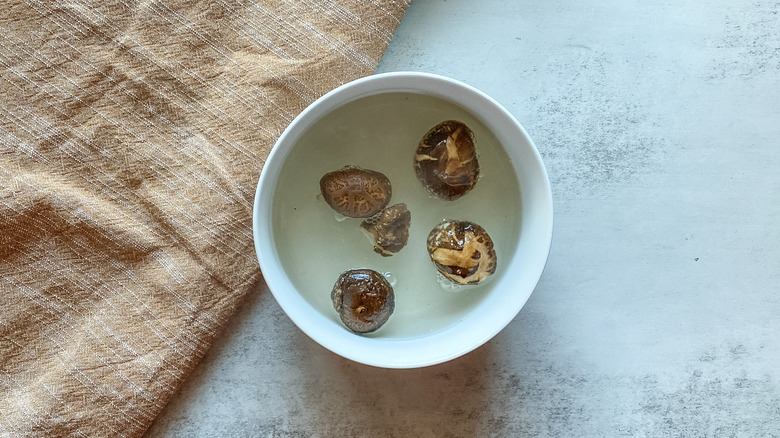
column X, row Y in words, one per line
column 389, row 229
column 462, row 251
column 356, row 192
column 364, row 299
column 446, row 160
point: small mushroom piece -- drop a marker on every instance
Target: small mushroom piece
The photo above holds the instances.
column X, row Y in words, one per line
column 356, row 192
column 462, row 251
column 389, row 229
column 446, row 160
column 364, row 299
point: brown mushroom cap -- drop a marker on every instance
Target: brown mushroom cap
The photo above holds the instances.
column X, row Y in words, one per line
column 356, row 192
column 389, row 229
column 364, row 299
column 446, row 160
column 462, row 251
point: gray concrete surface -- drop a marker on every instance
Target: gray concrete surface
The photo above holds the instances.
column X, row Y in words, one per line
column 659, row 311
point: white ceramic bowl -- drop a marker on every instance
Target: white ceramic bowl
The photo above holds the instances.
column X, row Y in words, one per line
column 520, row 269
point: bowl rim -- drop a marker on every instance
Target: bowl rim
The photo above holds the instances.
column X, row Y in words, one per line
column 436, row 347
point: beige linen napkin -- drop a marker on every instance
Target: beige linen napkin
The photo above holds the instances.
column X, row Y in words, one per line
column 132, row 134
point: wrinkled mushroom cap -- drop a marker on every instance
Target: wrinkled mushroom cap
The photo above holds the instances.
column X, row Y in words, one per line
column 446, row 160
column 462, row 251
column 389, row 229
column 356, row 192
column 364, row 299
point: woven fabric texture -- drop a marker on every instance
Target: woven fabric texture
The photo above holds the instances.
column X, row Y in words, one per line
column 132, row 135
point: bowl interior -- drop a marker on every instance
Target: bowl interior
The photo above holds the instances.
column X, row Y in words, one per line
column 376, row 123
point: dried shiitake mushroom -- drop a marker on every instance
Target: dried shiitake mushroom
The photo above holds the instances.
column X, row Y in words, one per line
column 446, row 160
column 364, row 299
column 356, row 192
column 389, row 229
column 462, row 251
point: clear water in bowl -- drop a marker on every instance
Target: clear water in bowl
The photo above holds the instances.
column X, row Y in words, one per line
column 381, row 133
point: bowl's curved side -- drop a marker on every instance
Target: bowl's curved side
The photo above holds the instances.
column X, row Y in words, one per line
column 493, row 313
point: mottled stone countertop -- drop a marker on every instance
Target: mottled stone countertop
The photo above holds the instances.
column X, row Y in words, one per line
column 659, row 311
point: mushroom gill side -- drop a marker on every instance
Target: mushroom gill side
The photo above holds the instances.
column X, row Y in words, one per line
column 389, row 229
